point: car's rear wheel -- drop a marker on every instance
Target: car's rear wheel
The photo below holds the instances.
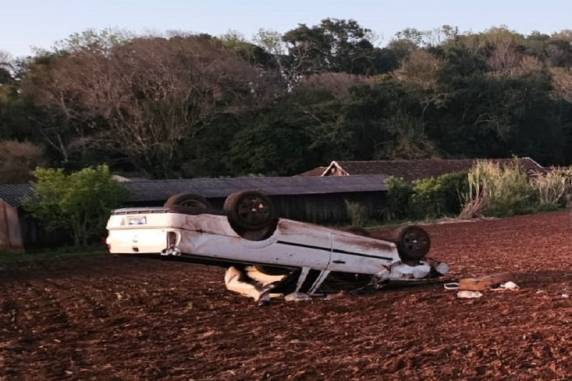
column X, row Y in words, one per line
column 188, row 203
column 413, row 243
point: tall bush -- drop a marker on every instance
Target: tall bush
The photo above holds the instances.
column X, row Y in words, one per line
column 79, row 202
column 553, row 188
column 496, row 190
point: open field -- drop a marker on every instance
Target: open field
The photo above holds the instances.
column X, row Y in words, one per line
column 106, row 318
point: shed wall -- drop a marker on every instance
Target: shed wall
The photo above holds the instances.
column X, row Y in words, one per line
column 10, row 232
column 324, row 208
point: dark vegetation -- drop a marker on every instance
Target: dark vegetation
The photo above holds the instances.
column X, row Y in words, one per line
column 78, row 204
column 429, row 198
column 195, row 105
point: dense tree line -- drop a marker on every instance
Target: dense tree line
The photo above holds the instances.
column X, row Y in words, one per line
column 189, row 105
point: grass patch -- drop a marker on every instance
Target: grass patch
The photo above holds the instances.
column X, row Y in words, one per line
column 30, row 258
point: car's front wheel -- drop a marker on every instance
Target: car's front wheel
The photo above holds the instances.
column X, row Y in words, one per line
column 413, row 243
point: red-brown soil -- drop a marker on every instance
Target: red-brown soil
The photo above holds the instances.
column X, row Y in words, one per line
column 107, row 318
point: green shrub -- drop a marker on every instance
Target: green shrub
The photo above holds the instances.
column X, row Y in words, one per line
column 496, row 190
column 399, row 193
column 438, row 196
column 426, row 198
column 357, row 213
column 79, row 202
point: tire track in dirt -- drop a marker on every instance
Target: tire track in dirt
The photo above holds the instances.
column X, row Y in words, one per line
column 138, row 330
column 10, row 335
column 135, row 319
column 89, row 314
column 39, row 319
column 56, row 336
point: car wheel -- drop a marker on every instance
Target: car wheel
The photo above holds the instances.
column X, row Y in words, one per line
column 188, row 203
column 250, row 210
column 413, row 243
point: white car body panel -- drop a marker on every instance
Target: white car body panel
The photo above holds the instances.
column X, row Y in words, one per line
column 293, row 244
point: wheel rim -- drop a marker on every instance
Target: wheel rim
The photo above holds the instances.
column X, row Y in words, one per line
column 253, row 210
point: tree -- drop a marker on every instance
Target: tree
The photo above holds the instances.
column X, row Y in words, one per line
column 92, row 40
column 272, row 42
column 5, row 68
column 144, row 97
column 252, row 53
column 489, row 116
column 384, row 121
column 79, row 202
column 17, row 160
column 332, row 46
column 420, row 68
column 408, row 140
column 272, row 145
column 562, row 83
column 337, row 84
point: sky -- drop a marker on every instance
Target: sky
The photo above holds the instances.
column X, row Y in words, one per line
column 40, row 23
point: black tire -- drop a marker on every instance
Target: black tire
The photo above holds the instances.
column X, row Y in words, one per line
column 413, row 243
column 250, row 210
column 188, row 203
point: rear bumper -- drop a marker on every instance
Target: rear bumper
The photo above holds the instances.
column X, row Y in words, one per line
column 141, row 241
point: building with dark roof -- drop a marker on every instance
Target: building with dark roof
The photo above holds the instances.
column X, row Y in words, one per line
column 411, row 170
column 305, row 198
column 158, row 191
column 314, row 171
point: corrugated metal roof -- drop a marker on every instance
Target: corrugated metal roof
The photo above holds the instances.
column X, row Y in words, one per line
column 153, row 190
column 14, row 194
column 159, row 190
column 419, row 169
column 314, row 171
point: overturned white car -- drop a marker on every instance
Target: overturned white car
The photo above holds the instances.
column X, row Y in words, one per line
column 248, row 233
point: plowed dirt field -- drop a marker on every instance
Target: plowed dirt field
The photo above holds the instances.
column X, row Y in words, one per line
column 107, row 318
